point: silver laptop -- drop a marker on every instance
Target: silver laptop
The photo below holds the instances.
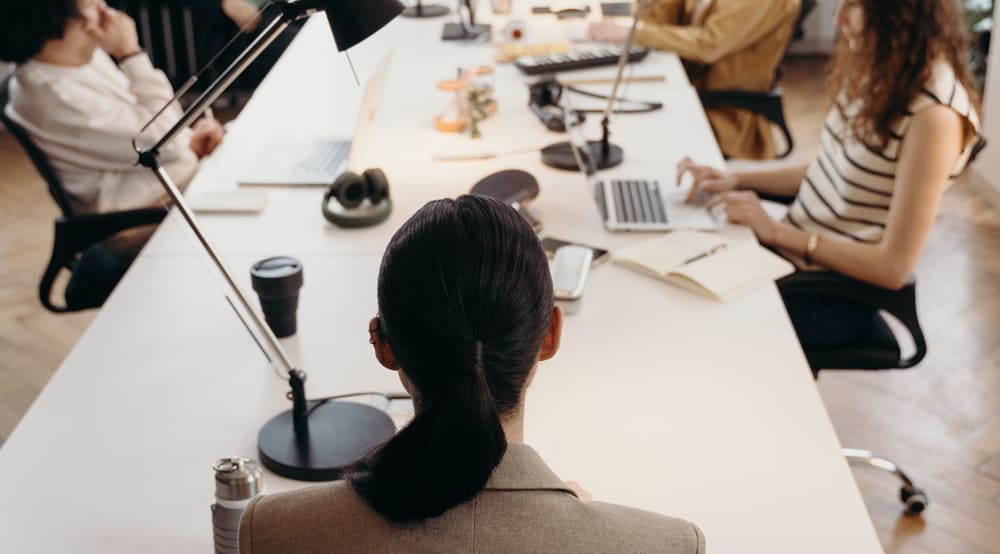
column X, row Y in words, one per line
column 316, row 161
column 637, row 203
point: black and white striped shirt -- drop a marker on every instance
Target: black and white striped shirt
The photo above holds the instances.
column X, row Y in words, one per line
column 848, row 188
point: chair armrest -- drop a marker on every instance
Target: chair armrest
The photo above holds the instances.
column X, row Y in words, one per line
column 75, row 234
column 902, row 303
column 81, row 231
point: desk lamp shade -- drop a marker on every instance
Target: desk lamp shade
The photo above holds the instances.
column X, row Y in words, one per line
column 352, row 21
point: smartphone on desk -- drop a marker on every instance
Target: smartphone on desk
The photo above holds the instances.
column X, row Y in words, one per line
column 550, row 245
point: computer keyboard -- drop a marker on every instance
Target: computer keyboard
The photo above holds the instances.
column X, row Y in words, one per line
column 580, row 59
column 637, row 201
column 323, row 159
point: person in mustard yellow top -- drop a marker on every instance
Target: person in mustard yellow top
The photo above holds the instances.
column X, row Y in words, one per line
column 725, row 45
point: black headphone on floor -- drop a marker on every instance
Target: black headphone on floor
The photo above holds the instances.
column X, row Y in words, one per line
column 350, row 191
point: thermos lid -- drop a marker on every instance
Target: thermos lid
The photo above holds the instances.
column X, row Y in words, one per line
column 237, row 478
column 277, row 276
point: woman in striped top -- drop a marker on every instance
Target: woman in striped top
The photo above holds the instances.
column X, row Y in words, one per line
column 901, row 129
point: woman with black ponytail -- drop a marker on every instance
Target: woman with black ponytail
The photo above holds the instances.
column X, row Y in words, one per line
column 465, row 315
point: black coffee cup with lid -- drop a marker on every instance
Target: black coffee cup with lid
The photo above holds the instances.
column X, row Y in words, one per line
column 277, row 282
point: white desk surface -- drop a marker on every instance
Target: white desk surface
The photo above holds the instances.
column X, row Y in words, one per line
column 659, row 399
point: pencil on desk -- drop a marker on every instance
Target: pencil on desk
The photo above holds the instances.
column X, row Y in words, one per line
column 705, row 254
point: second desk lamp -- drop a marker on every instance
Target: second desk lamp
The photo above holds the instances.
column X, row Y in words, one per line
column 603, row 153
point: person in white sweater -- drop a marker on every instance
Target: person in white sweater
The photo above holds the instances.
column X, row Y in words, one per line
column 83, row 88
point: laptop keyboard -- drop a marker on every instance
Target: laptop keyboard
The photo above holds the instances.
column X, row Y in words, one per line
column 637, row 201
column 323, row 159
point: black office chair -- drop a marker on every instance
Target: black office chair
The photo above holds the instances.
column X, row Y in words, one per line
column 876, row 349
column 769, row 103
column 94, row 268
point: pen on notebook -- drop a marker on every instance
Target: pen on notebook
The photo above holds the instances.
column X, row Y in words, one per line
column 705, row 254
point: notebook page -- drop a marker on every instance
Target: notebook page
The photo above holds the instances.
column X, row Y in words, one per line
column 666, row 253
column 740, row 267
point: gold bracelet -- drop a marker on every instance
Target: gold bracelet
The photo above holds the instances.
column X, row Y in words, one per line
column 811, row 245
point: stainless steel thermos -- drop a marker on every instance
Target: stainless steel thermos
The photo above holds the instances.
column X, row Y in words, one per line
column 237, row 481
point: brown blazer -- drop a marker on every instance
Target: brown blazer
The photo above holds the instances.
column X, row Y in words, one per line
column 726, row 44
column 524, row 507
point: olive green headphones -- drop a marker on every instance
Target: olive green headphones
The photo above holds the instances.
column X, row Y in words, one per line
column 343, row 203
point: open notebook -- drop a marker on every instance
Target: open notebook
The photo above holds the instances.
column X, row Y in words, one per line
column 705, row 263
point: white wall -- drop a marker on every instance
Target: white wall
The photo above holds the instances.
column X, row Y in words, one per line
column 987, row 166
column 819, row 30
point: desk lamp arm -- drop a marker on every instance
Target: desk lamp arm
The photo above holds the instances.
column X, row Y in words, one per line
column 622, row 62
column 149, row 158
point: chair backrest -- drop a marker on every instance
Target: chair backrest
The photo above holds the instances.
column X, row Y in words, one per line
column 805, row 8
column 38, row 157
column 167, row 31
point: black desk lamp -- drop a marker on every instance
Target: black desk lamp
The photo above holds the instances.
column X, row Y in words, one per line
column 314, row 440
column 603, row 154
column 420, row 10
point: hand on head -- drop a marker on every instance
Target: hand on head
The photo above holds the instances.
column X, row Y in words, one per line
column 115, row 32
column 206, row 137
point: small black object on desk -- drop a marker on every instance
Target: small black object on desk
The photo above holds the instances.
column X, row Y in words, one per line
column 515, row 187
column 358, row 200
column 277, row 282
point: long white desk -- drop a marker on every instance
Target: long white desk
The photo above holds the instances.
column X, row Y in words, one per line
column 659, row 399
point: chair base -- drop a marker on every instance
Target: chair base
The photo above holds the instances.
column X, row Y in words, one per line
column 914, row 499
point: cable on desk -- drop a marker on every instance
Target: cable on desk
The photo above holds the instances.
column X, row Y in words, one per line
column 317, row 402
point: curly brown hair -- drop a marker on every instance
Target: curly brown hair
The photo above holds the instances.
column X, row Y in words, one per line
column 894, row 59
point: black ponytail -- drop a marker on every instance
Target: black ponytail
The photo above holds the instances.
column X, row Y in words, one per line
column 465, row 299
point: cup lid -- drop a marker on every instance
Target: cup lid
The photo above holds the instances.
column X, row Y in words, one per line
column 237, row 478
column 279, row 275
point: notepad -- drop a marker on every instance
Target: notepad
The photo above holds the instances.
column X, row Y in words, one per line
column 705, row 263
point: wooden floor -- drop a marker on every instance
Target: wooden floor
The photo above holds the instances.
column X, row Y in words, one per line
column 941, row 420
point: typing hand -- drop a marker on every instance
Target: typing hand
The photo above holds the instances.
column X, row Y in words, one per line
column 743, row 208
column 115, row 33
column 606, row 31
column 707, row 181
column 206, row 138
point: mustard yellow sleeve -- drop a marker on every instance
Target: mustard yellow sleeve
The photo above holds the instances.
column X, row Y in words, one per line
column 663, row 11
column 731, row 26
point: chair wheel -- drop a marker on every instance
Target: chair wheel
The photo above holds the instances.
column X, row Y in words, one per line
column 914, row 499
